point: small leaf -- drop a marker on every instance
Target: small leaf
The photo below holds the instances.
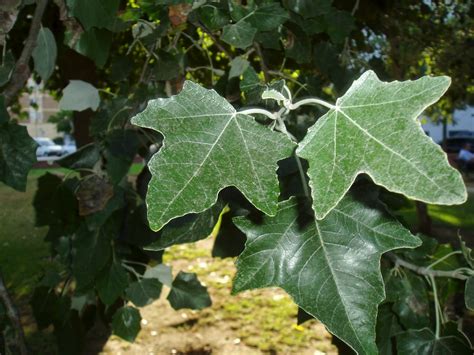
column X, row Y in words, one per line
column 126, row 323
column 187, row 292
column 188, row 229
column 45, row 53
column 239, row 35
column 17, row 153
column 373, row 130
column 161, row 272
column 268, row 17
column 144, row 291
column 424, row 341
column 467, row 252
column 469, row 293
column 207, row 147
column 273, row 95
column 330, row 267
column 237, row 66
column 112, row 283
column 79, row 96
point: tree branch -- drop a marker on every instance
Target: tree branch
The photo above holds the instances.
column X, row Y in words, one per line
column 425, row 271
column 22, row 70
column 14, row 318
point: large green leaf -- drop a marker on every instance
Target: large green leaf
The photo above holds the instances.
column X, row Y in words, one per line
column 45, row 53
column 126, row 323
column 187, row 292
column 425, row 342
column 95, row 44
column 207, row 147
column 330, row 267
column 373, row 129
column 17, row 153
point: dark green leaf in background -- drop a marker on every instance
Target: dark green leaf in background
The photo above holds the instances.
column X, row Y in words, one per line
column 239, row 35
column 112, row 283
column 92, row 13
column 95, row 44
column 144, row 291
column 17, row 153
column 469, row 293
column 330, row 267
column 126, row 323
column 425, row 342
column 187, row 292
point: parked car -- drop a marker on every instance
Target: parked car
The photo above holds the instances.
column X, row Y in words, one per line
column 47, row 148
column 69, row 148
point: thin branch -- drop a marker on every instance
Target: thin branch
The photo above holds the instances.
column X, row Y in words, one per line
column 14, row 317
column 22, row 70
column 263, row 65
column 455, row 274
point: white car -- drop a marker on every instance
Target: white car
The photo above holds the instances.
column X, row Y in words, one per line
column 47, row 148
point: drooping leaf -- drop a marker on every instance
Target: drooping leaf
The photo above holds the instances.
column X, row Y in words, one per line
column 103, row 14
column 112, row 283
column 126, row 323
column 84, row 158
column 469, row 293
column 373, row 129
column 188, row 229
column 17, row 154
column 161, row 272
column 330, row 267
column 409, row 295
column 144, row 291
column 187, row 292
column 95, row 44
column 92, row 251
column 44, row 54
column 387, row 328
column 79, row 96
column 239, row 35
column 121, row 148
column 207, row 147
column 424, row 341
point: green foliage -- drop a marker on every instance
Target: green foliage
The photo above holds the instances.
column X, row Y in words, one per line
column 341, row 255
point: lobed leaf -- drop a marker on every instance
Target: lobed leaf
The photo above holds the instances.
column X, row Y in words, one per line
column 373, row 129
column 208, row 146
column 330, row 267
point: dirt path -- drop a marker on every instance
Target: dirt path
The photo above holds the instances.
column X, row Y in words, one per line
column 253, row 322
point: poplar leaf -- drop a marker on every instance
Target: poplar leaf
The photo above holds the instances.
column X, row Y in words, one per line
column 330, row 267
column 373, row 129
column 208, row 146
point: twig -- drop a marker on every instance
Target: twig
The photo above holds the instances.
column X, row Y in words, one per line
column 22, row 70
column 215, row 40
column 263, row 65
column 14, row 318
column 455, row 274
